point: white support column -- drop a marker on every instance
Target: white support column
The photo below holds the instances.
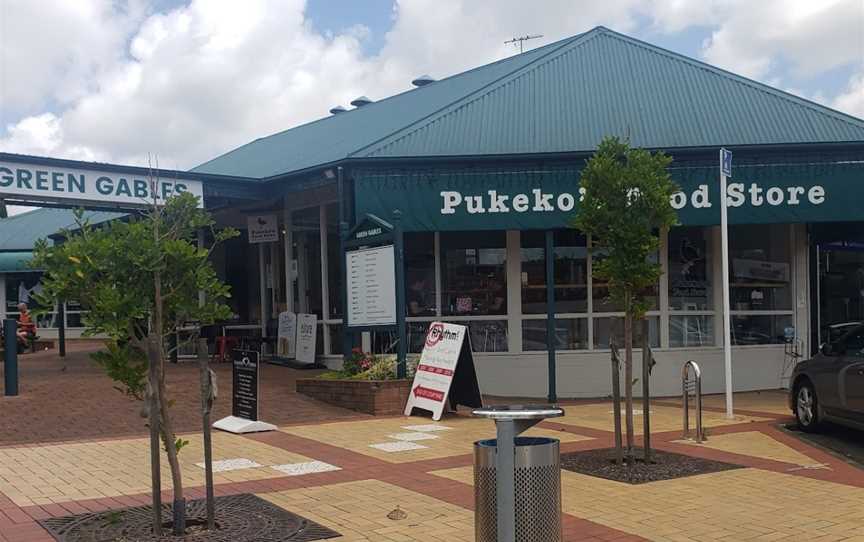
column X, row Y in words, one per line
column 437, row 262
column 727, row 318
column 325, row 278
column 514, row 291
column 262, row 289
column 664, row 289
column 289, row 253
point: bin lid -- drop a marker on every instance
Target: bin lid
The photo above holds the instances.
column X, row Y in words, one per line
column 519, row 412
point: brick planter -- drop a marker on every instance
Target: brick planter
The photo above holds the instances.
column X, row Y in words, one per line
column 376, row 397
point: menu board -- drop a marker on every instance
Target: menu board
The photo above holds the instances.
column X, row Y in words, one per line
column 244, row 402
column 446, row 369
column 307, row 335
column 371, row 286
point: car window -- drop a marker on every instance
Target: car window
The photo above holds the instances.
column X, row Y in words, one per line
column 854, row 342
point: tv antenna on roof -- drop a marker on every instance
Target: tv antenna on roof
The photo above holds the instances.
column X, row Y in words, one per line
column 521, row 40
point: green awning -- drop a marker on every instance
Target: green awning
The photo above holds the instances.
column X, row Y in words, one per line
column 11, row 262
column 548, row 198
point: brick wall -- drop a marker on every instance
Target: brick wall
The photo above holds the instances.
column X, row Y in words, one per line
column 376, row 397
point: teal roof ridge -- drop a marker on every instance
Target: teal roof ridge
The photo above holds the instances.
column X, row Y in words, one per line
column 580, row 40
column 383, row 101
column 756, row 85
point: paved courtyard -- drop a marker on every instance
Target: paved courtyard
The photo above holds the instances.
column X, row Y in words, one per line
column 73, row 444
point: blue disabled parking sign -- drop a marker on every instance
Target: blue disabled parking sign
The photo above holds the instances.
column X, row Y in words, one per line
column 726, row 162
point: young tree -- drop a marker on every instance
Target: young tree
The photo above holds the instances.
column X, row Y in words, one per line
column 139, row 281
column 624, row 207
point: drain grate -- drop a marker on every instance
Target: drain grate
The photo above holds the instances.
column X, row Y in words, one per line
column 243, row 517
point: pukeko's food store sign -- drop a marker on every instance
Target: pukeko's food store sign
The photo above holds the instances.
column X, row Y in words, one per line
column 41, row 183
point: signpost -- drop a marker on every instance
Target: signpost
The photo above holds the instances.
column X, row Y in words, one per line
column 245, row 367
column 446, row 370
column 726, row 172
column 375, row 281
column 263, row 229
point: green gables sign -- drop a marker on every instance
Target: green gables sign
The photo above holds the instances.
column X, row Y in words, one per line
column 547, row 199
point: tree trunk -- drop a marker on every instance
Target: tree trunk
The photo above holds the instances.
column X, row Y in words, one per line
column 628, row 373
column 206, row 406
column 155, row 459
column 616, row 401
column 646, row 392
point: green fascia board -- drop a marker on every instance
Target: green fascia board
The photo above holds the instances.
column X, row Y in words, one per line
column 12, row 262
column 604, row 83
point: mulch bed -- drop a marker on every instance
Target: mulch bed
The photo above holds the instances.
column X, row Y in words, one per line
column 664, row 466
column 243, row 517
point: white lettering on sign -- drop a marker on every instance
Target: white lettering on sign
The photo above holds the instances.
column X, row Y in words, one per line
column 368, row 233
column 45, row 183
column 737, row 194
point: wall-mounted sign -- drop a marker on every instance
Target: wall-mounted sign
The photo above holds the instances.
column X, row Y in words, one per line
column 446, row 370
column 263, row 228
column 370, row 274
column 244, row 403
column 760, row 270
column 307, row 334
column 39, row 183
column 286, row 335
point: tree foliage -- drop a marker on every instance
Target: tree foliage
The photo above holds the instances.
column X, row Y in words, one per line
column 624, row 207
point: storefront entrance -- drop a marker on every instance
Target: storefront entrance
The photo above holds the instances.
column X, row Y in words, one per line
column 841, row 287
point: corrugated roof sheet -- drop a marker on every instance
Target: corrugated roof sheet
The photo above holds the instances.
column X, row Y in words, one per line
column 563, row 97
column 337, row 136
column 20, row 232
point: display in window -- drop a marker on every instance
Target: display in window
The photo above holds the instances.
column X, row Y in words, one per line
column 690, row 285
column 473, row 274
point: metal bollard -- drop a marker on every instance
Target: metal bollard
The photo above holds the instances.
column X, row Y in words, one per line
column 10, row 359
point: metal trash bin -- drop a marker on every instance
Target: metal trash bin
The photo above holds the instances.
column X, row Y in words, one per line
column 530, row 488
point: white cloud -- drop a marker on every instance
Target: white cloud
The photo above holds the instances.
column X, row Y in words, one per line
column 91, row 80
column 851, row 100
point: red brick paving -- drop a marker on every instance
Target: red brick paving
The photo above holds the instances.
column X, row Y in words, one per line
column 80, row 402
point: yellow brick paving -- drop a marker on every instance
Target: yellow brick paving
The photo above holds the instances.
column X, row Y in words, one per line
column 663, row 418
column 771, row 402
column 755, row 444
column 358, row 510
column 743, row 504
column 68, row 472
column 357, row 436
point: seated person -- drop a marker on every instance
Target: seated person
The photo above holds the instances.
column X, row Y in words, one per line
column 416, row 297
column 26, row 325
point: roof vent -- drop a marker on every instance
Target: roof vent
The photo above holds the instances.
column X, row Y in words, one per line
column 338, row 109
column 360, row 101
column 423, row 80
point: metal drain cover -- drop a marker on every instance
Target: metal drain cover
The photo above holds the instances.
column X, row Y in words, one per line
column 239, row 518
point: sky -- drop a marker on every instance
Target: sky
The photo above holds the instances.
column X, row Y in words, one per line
column 121, row 80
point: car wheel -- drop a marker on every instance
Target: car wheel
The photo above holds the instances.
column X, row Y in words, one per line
column 806, row 407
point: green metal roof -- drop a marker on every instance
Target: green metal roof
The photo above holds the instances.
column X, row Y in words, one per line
column 563, row 97
column 20, row 232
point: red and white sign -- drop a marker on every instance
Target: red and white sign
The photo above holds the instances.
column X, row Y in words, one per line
column 434, row 376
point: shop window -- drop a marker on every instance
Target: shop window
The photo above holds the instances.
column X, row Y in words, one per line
column 570, row 334
column 570, row 271
column 601, row 300
column 691, row 330
column 752, row 329
column 488, row 335
column 307, row 254
column 760, row 267
column 473, row 277
column 420, row 274
column 613, row 326
column 690, row 269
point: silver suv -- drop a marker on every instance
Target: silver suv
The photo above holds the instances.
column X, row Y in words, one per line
column 830, row 386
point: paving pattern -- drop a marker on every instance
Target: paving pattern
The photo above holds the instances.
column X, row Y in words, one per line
column 409, row 479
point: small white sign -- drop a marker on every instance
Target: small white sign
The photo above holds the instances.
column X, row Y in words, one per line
column 437, row 366
column 307, row 331
column 263, row 228
column 286, row 335
column 371, row 274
